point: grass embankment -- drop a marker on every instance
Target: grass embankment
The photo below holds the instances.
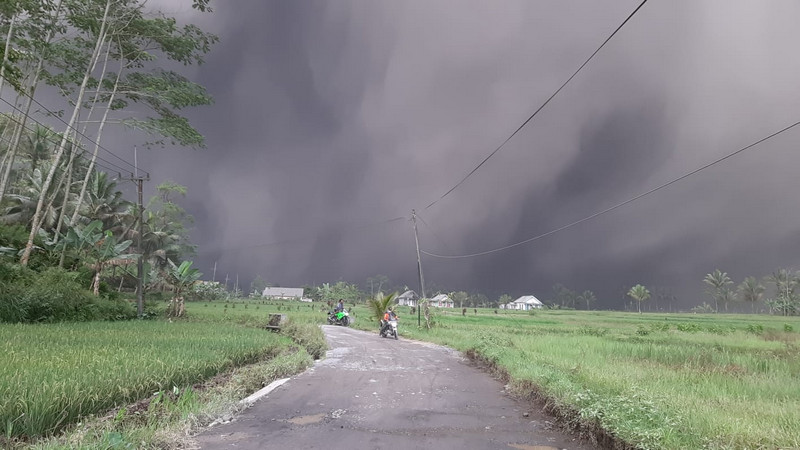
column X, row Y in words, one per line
column 654, row 380
column 53, row 375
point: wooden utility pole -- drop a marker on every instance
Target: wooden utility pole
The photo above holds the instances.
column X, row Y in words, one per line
column 419, row 270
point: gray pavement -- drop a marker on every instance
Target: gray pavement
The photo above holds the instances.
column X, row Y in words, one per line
column 375, row 393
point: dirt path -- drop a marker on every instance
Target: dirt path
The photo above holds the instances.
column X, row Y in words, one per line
column 375, row 393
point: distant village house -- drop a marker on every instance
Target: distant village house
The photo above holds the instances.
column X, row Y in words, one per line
column 284, row 293
column 442, row 301
column 524, row 303
column 407, row 298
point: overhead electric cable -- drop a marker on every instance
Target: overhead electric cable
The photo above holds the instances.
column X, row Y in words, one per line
column 117, row 168
column 618, row 205
column 540, row 107
column 441, row 241
column 73, row 128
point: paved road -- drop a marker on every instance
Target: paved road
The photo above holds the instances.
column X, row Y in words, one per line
column 376, row 393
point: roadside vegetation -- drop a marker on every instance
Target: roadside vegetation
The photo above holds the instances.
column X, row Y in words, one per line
column 144, row 384
column 660, row 381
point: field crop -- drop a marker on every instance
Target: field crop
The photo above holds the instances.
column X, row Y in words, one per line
column 654, row 380
column 50, row 375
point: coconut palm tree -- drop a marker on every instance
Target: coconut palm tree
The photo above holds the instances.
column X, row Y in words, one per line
column 751, row 291
column 379, row 304
column 719, row 288
column 640, row 294
column 104, row 202
column 23, row 203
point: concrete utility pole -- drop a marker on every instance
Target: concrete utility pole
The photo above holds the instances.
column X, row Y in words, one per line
column 419, row 269
column 139, row 179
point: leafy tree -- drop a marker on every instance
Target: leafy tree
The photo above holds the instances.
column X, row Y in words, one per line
column 504, row 299
column 459, row 298
column 563, row 296
column 718, row 287
column 587, row 297
column 339, row 290
column 640, row 294
column 786, row 300
column 751, row 290
column 376, row 283
column 257, row 286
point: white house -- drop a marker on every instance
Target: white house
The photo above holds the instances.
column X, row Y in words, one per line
column 407, row 298
column 442, row 301
column 525, row 303
column 284, row 293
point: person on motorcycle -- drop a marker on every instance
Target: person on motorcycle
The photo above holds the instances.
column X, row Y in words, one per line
column 387, row 316
column 340, row 306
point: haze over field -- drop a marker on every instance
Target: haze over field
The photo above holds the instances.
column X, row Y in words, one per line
column 331, row 116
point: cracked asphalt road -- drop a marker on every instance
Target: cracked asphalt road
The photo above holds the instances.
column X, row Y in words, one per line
column 376, row 393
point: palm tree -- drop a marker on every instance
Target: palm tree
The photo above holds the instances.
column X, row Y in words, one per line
column 640, row 294
column 751, row 291
column 105, row 203
column 38, row 144
column 379, row 304
column 23, row 204
column 718, row 288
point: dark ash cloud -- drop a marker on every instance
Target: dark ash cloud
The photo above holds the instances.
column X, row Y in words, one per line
column 332, row 116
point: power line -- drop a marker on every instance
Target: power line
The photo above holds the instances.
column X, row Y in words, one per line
column 116, row 168
column 74, row 129
column 618, row 205
column 50, row 138
column 441, row 241
column 540, row 108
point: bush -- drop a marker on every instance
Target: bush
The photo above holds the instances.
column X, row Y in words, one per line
column 54, row 295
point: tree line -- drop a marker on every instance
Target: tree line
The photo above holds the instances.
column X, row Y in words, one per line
column 104, row 63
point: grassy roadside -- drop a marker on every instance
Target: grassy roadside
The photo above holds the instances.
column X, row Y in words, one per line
column 180, row 375
column 654, row 381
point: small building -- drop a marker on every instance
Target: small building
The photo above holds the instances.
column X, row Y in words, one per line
column 284, row 293
column 525, row 303
column 442, row 301
column 407, row 298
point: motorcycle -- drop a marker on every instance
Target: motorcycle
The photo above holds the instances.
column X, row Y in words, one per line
column 339, row 318
column 389, row 329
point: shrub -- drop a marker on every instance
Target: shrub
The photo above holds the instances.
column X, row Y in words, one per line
column 755, row 329
column 688, row 327
column 788, row 328
column 54, row 295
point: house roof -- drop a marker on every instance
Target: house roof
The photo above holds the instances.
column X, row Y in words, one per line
column 528, row 299
column 441, row 298
column 282, row 292
column 408, row 295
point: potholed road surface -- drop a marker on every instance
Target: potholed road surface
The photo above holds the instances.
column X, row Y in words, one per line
column 376, row 393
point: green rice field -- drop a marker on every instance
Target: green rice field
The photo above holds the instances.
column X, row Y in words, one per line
column 50, row 375
column 660, row 381
column 655, row 380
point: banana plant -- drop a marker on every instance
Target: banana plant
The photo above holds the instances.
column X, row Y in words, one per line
column 181, row 277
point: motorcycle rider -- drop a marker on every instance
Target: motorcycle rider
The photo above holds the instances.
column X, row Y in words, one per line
column 339, row 306
column 387, row 316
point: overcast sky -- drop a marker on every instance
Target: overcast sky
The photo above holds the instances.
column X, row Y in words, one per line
column 332, row 117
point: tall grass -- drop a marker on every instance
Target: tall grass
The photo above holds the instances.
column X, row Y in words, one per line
column 50, row 375
column 655, row 381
